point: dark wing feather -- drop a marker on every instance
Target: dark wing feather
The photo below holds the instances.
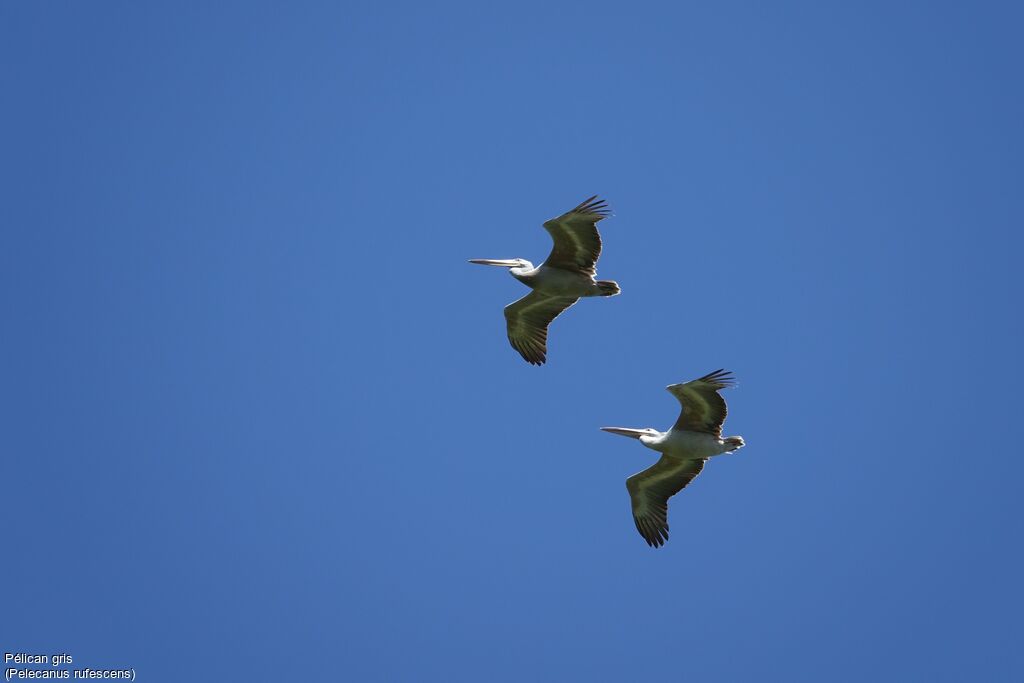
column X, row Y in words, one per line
column 577, row 242
column 528, row 321
column 650, row 490
column 704, row 409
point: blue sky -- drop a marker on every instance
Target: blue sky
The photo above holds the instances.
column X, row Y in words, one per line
column 261, row 421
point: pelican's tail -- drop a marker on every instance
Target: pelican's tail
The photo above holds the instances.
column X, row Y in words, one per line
column 733, row 443
column 608, row 287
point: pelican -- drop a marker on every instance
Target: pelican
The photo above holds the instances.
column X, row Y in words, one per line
column 565, row 276
column 695, row 437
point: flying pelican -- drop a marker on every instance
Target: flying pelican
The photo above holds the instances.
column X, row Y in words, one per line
column 695, row 437
column 566, row 275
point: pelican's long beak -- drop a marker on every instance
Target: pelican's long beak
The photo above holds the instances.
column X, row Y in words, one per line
column 624, row 431
column 505, row 262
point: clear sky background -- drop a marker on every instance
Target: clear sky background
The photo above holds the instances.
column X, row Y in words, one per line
column 260, row 420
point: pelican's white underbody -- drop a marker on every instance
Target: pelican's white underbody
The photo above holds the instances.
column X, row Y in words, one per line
column 688, row 445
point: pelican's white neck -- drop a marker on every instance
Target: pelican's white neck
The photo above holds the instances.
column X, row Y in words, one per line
column 653, row 441
column 523, row 272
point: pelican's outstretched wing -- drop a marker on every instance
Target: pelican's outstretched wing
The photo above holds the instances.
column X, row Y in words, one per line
column 704, row 409
column 650, row 490
column 528, row 321
column 577, row 242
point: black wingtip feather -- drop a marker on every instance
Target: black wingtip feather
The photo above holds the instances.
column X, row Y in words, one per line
column 593, row 205
column 653, row 533
column 722, row 377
